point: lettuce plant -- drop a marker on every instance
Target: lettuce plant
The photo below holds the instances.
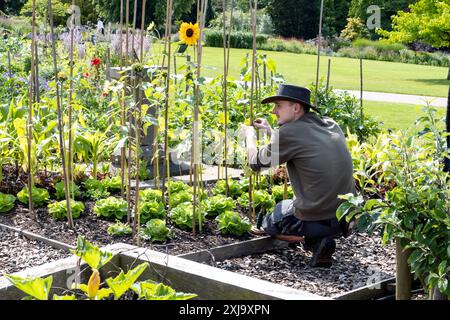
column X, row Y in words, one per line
column 95, row 189
column 260, row 198
column 151, row 210
column 147, row 195
column 155, row 230
column 230, row 222
column 180, row 197
column 113, row 184
column 110, row 207
column 61, row 192
column 6, row 202
column 182, row 215
column 234, row 188
column 39, row 196
column 58, row 210
column 119, row 229
column 177, row 186
column 278, row 193
column 218, row 204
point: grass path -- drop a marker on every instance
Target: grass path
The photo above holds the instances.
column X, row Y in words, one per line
column 379, row 76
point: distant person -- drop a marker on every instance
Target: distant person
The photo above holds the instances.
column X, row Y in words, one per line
column 319, row 166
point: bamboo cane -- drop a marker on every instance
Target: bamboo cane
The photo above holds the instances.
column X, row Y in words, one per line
column 361, row 97
column 253, row 8
column 166, row 114
column 316, row 100
column 30, row 112
column 122, row 105
column 69, row 102
column 128, row 163
column 60, row 118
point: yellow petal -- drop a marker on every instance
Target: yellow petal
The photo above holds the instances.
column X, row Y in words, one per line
column 93, row 284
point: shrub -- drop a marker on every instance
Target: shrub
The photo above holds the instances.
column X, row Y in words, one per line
column 111, row 207
column 6, row 202
column 58, row 210
column 119, row 229
column 230, row 222
column 182, row 216
column 39, row 196
column 155, row 230
column 151, row 210
column 238, row 39
column 218, row 204
column 61, row 193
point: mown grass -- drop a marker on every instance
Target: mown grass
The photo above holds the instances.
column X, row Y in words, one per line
column 300, row 69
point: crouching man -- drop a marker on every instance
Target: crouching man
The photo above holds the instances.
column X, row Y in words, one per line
column 319, row 166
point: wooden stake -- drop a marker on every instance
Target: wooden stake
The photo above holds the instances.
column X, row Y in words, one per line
column 403, row 273
column 361, row 95
column 60, row 119
column 316, row 100
column 122, row 105
column 69, row 102
column 328, row 76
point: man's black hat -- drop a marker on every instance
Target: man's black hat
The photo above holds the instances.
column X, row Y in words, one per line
column 292, row 93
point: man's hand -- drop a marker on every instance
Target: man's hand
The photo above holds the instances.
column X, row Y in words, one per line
column 262, row 124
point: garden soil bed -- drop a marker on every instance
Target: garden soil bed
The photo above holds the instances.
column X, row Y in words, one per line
column 95, row 230
column 18, row 253
column 360, row 260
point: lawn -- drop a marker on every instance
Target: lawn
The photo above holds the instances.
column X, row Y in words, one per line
column 300, row 69
column 396, row 115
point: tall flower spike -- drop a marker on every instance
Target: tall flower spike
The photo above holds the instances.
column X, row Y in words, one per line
column 189, row 33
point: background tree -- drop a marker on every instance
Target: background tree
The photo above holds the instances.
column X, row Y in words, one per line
column 12, row 7
column 295, row 18
column 358, row 8
column 59, row 8
column 427, row 22
column 334, row 17
column 354, row 29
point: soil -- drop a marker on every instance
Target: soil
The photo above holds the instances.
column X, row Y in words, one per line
column 18, row 253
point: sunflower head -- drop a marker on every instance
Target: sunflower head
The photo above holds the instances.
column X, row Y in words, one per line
column 189, row 33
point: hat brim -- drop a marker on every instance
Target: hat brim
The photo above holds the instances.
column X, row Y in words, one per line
column 278, row 98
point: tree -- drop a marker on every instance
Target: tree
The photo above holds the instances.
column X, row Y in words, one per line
column 12, row 7
column 354, row 29
column 295, row 18
column 388, row 8
column 334, row 16
column 60, row 10
column 426, row 22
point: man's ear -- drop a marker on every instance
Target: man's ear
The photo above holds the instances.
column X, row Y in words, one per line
column 298, row 107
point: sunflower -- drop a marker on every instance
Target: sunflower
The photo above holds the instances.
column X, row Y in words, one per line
column 189, row 33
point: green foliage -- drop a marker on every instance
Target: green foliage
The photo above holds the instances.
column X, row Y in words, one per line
column 91, row 254
column 345, row 110
column 95, row 189
column 180, row 197
column 414, row 208
column 155, row 230
column 182, row 215
column 230, row 222
column 61, row 193
column 151, row 210
column 110, row 207
column 39, row 196
column 59, row 9
column 234, row 188
column 177, row 186
column 238, row 39
column 150, row 290
column 113, row 184
column 6, row 202
column 119, row 229
column 148, row 195
column 36, row 288
column 58, row 210
column 355, row 29
column 278, row 193
column 123, row 282
column 426, row 21
column 218, row 204
column 260, row 198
